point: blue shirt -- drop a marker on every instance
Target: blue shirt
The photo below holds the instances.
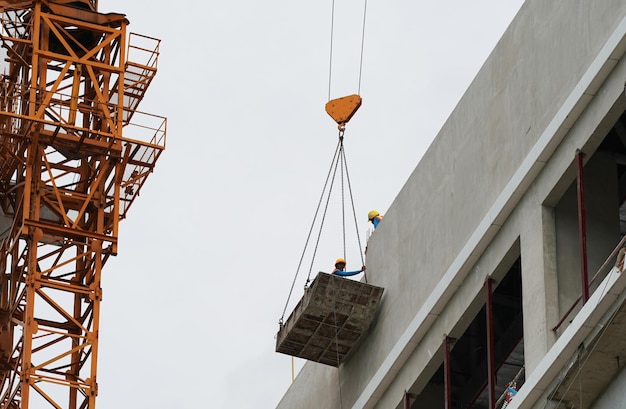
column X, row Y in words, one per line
column 376, row 220
column 345, row 273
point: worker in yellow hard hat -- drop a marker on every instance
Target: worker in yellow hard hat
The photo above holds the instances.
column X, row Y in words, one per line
column 374, row 217
column 340, row 266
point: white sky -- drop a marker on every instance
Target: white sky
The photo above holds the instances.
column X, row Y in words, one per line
column 209, row 251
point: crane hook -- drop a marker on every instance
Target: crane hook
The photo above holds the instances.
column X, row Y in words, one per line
column 342, row 109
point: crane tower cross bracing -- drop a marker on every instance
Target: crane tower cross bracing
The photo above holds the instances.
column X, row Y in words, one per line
column 74, row 153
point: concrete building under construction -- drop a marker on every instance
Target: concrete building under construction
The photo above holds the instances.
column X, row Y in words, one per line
column 501, row 258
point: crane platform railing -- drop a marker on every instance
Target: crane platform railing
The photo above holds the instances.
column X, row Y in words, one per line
column 142, row 57
column 61, row 111
column 61, row 125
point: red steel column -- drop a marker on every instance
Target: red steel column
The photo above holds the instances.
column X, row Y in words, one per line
column 491, row 367
column 447, row 378
column 582, row 224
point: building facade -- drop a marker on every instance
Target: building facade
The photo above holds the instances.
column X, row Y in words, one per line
column 500, row 257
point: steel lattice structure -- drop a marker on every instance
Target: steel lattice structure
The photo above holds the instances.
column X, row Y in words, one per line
column 74, row 153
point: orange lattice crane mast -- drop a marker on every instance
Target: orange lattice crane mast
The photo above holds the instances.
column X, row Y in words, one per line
column 74, row 153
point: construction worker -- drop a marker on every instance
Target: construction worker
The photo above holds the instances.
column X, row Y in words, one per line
column 340, row 265
column 511, row 391
column 374, row 217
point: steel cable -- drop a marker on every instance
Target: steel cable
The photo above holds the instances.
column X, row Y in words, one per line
column 319, row 203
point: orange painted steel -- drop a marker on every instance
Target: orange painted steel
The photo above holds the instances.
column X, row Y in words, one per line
column 74, row 154
column 342, row 109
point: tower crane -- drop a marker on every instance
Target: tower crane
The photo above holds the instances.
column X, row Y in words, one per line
column 74, row 154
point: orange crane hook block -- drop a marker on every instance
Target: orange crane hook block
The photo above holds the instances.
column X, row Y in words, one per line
column 342, row 109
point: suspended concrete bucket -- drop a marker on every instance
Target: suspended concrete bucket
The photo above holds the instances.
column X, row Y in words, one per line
column 329, row 320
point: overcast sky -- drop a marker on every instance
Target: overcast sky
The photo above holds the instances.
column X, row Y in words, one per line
column 210, row 248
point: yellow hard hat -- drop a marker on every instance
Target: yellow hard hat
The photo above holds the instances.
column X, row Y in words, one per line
column 340, row 260
column 372, row 214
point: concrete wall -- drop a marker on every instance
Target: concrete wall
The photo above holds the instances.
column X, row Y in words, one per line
column 614, row 397
column 474, row 200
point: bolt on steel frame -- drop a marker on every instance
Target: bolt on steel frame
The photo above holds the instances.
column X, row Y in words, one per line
column 74, row 153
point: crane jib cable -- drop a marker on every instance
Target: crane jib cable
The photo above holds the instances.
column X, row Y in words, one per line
column 332, row 35
column 338, row 162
